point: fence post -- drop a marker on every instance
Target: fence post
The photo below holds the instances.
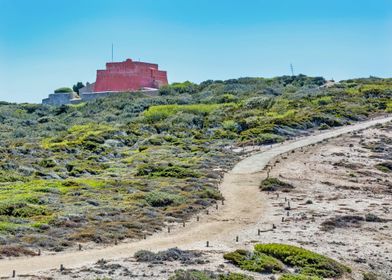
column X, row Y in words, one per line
column 13, row 274
column 258, row 232
column 80, row 247
column 61, row 267
column 236, row 238
column 208, row 244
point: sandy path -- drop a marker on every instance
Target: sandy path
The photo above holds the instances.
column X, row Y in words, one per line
column 244, row 206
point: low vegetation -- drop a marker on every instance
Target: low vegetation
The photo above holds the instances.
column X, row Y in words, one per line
column 170, row 255
column 254, row 261
column 207, row 275
column 310, row 263
column 278, row 258
column 274, row 184
column 125, row 165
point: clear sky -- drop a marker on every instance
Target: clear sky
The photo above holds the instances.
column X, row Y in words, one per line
column 46, row 44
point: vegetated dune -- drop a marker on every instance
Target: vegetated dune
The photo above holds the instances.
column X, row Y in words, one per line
column 246, row 212
column 124, row 167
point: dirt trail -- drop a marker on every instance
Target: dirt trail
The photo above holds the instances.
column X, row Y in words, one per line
column 244, row 206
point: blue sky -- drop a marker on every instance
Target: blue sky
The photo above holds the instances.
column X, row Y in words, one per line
column 46, row 44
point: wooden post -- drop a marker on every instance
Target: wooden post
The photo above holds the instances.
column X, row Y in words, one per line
column 273, row 226
column 183, row 224
column 80, row 247
column 168, row 229
column 208, row 244
column 236, row 238
column 258, row 232
column 197, row 218
column 282, row 219
column 61, row 267
column 13, row 274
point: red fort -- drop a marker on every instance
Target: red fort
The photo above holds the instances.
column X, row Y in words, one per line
column 128, row 76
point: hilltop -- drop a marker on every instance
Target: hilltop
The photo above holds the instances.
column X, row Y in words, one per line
column 83, row 173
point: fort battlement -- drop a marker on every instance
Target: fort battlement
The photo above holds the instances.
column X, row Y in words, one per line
column 125, row 76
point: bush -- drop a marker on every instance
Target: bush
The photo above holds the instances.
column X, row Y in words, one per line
column 170, row 255
column 298, row 277
column 385, row 167
column 63, row 90
column 175, row 171
column 274, row 184
column 160, row 199
column 310, row 263
column 257, row 262
column 207, row 275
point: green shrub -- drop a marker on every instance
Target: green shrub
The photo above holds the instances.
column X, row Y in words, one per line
column 369, row 276
column 257, row 262
column 207, row 275
column 175, row 171
column 310, row 262
column 385, row 167
column 274, row 184
column 160, row 199
column 288, row 276
column 63, row 90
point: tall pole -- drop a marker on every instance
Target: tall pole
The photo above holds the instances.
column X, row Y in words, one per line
column 112, row 52
column 292, row 69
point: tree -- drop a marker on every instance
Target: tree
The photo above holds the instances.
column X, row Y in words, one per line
column 78, row 86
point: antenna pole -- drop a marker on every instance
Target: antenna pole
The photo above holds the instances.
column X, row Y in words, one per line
column 292, row 69
column 112, row 52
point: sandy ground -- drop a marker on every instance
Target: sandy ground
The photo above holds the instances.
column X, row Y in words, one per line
column 246, row 210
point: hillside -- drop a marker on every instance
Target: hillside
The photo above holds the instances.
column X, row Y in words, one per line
column 122, row 167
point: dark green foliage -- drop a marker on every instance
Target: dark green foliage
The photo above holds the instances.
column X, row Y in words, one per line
column 77, row 86
column 274, row 184
column 63, row 90
column 310, row 263
column 169, row 170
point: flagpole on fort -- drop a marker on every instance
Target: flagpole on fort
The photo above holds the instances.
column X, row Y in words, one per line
column 112, row 52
